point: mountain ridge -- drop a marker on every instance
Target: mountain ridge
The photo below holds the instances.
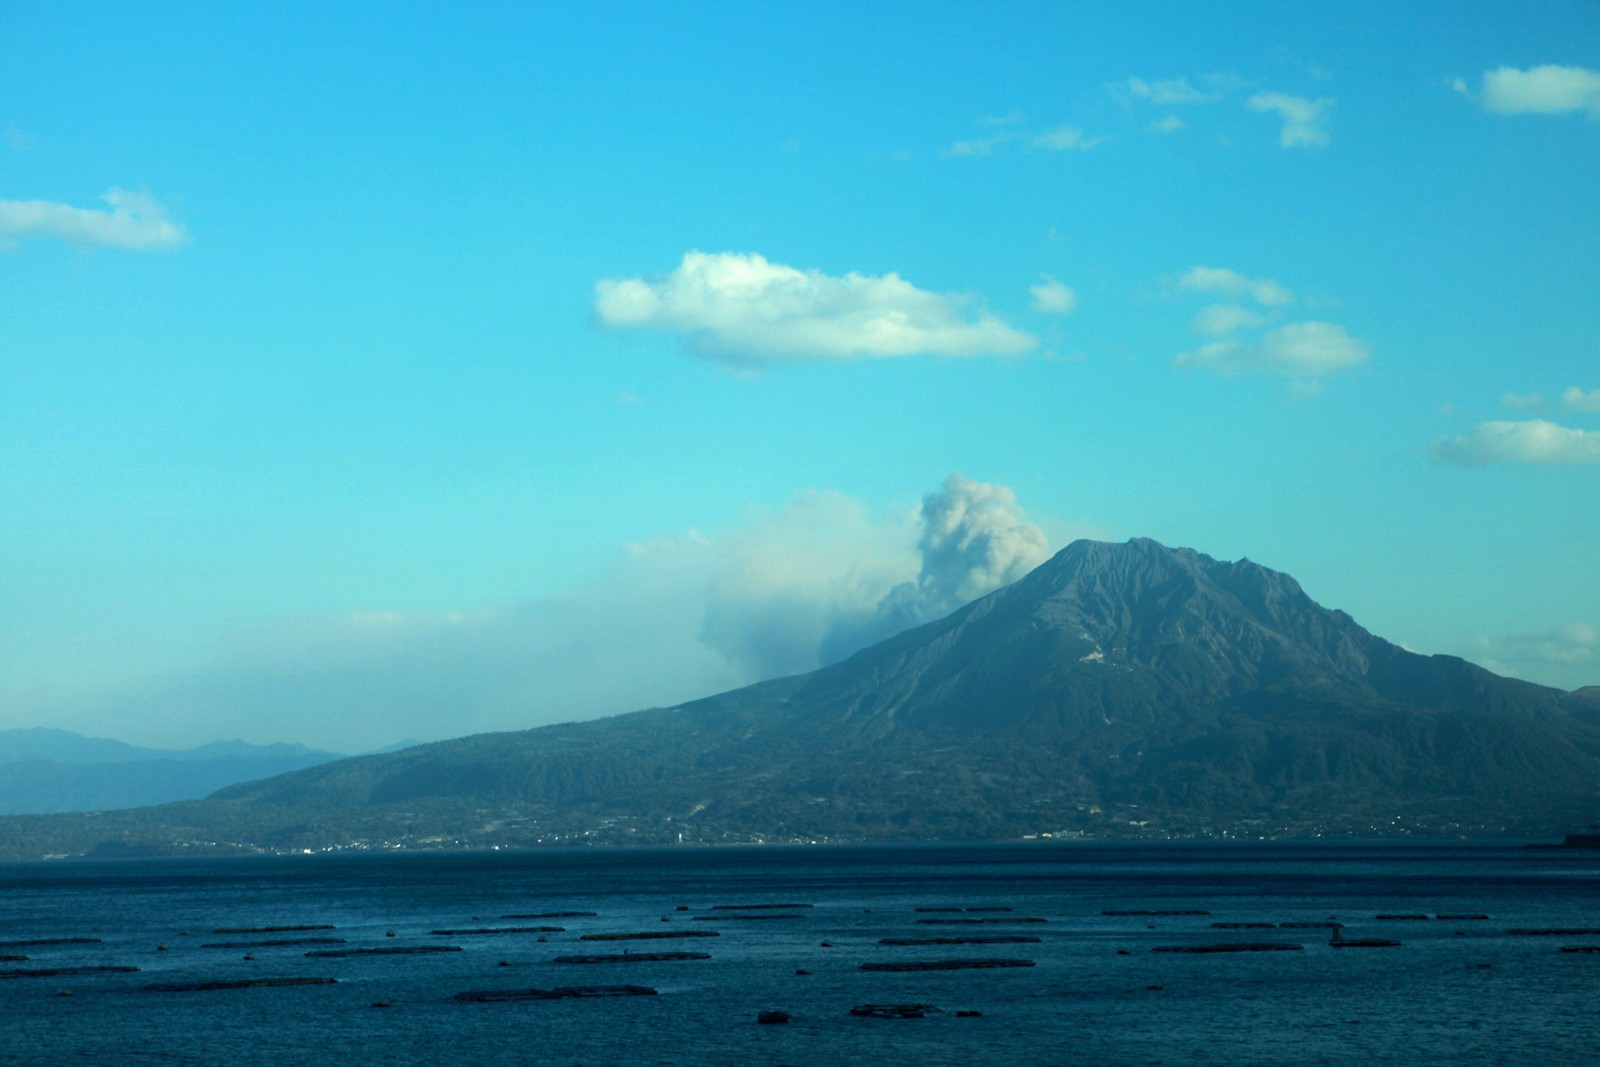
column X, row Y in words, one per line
column 45, row 770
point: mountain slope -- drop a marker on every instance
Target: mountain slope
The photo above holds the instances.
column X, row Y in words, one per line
column 1116, row 689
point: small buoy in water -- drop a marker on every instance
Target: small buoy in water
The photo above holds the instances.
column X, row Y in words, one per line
column 1122, row 952
column 802, row 970
column 683, row 907
column 1157, row 987
column 63, row 992
column 249, row 955
column 183, row 933
column 968, row 1014
column 768, row 1018
column 1485, row 966
column 505, row 963
column 389, row 934
column 827, row 944
column 161, row 948
column 380, row 1003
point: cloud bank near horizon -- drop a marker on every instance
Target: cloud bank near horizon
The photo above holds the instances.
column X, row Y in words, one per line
column 1571, row 651
column 672, row 619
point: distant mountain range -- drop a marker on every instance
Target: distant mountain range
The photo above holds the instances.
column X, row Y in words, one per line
column 1117, row 690
column 44, row 770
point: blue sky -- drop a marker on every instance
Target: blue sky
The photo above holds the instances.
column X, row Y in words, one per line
column 405, row 370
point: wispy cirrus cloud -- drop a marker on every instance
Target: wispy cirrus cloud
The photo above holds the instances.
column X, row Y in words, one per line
column 1055, row 139
column 1532, row 442
column 980, row 146
column 1543, row 90
column 742, row 309
column 135, row 221
column 1166, row 92
column 1571, row 399
column 1307, row 66
column 1066, row 139
column 1304, row 121
column 1522, row 401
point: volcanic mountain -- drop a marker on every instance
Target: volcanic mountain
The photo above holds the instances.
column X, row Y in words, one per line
column 1117, row 689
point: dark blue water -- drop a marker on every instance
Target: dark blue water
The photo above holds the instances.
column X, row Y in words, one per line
column 1454, row 991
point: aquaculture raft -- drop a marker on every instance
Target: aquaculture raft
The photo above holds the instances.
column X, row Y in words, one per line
column 493, row 996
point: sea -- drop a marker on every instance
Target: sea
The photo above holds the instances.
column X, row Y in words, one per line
column 1030, row 953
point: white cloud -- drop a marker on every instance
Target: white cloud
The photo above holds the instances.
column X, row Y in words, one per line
column 742, row 309
column 1217, row 319
column 1170, row 124
column 1222, row 280
column 1053, row 298
column 1546, row 90
column 135, row 221
column 1533, row 442
column 1522, row 401
column 1303, row 120
column 1066, row 139
column 1298, row 350
column 1165, row 93
column 1575, row 399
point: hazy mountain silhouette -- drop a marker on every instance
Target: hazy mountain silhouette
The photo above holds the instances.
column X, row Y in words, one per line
column 1118, row 688
column 46, row 770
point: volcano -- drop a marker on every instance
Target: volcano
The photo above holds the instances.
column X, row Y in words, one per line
column 1117, row 690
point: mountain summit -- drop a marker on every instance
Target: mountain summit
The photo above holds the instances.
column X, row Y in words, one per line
column 1116, row 689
